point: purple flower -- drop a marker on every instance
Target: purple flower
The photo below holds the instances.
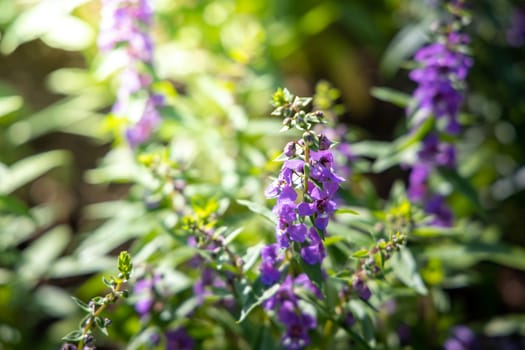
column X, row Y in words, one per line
column 297, row 232
column 269, row 271
column 289, row 149
column 297, row 326
column 269, row 274
column 349, row 319
column 144, row 289
column 284, row 293
column 442, row 215
column 179, row 339
column 361, row 288
column 142, row 130
column 270, row 253
column 417, row 189
column 313, row 254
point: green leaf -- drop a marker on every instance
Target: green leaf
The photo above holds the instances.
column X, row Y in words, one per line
column 99, row 322
column 505, row 326
column 58, row 116
column 374, row 149
column 259, row 209
column 405, row 268
column 69, row 266
column 251, row 256
column 12, row 205
column 386, row 162
column 42, row 253
column 82, row 305
column 361, row 253
column 264, row 340
column 433, row 231
column 10, row 104
column 253, row 296
column 463, row 186
column 402, row 46
column 55, row 301
column 414, row 137
column 346, row 211
column 390, row 95
column 72, row 337
column 462, row 256
column 30, row 168
column 232, row 236
column 365, row 323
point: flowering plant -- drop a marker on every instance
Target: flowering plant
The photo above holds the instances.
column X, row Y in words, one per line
column 360, row 225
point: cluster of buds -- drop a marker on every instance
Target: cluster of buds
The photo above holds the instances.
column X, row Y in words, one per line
column 382, row 251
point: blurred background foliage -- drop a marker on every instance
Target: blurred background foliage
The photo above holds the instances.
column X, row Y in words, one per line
column 63, row 187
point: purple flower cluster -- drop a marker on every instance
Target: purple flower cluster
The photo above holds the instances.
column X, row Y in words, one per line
column 439, row 95
column 285, row 303
column 125, row 24
column 442, row 69
column 317, row 200
column 433, row 153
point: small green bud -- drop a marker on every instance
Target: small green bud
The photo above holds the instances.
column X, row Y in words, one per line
column 311, row 139
column 124, row 264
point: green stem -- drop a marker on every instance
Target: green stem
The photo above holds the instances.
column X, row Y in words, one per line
column 89, row 323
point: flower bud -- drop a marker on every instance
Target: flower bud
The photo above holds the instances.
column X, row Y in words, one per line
column 324, row 142
column 289, row 149
column 361, row 288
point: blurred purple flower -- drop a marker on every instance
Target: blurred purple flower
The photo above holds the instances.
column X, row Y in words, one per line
column 462, row 338
column 269, row 270
column 442, row 215
column 208, row 278
column 443, row 68
column 126, row 24
column 144, row 289
column 361, row 288
column 179, row 339
column 417, row 184
column 516, row 31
